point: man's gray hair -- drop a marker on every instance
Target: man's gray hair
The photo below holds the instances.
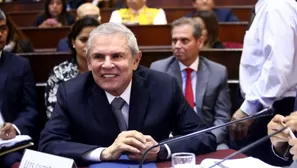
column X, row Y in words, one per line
column 2, row 15
column 197, row 28
column 113, row 28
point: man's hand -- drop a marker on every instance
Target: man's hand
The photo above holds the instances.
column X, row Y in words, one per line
column 293, row 150
column 127, row 141
column 279, row 141
column 291, row 121
column 7, row 131
column 239, row 131
column 151, row 155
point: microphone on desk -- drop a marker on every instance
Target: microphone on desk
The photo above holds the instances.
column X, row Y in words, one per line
column 263, row 113
column 250, row 146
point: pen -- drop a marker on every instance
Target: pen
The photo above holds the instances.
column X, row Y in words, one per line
column 292, row 135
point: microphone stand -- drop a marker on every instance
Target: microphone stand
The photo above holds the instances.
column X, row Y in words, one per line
column 248, row 147
column 262, row 113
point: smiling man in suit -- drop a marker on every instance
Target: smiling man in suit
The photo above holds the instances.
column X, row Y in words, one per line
column 204, row 82
column 120, row 107
column 17, row 97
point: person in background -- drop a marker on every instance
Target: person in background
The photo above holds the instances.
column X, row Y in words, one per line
column 55, row 15
column 18, row 99
column 86, row 9
column 223, row 14
column 138, row 13
column 67, row 70
column 203, row 81
column 117, row 108
column 17, row 42
column 210, row 27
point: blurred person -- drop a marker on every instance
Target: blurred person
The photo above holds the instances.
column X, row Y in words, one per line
column 69, row 69
column 210, row 27
column 18, row 99
column 223, row 14
column 86, row 9
column 55, row 15
column 138, row 13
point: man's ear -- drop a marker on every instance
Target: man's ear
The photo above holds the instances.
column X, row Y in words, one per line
column 201, row 41
column 137, row 59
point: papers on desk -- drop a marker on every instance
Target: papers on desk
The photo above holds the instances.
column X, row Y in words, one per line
column 247, row 162
column 17, row 143
column 11, row 142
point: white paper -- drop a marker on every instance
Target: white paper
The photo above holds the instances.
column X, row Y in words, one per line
column 11, row 142
column 247, row 162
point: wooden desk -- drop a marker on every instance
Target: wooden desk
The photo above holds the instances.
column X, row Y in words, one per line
column 151, row 35
column 43, row 63
column 27, row 18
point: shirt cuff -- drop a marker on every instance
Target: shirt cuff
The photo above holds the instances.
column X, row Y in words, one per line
column 250, row 107
column 17, row 130
column 93, row 155
column 285, row 157
column 168, row 151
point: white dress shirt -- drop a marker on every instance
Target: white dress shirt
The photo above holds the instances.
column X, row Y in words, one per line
column 160, row 19
column 2, row 121
column 194, row 67
column 268, row 70
column 95, row 154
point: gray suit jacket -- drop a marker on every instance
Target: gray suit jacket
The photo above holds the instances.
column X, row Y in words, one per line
column 212, row 91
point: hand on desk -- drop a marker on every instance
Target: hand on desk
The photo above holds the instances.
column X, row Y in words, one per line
column 7, row 131
column 132, row 142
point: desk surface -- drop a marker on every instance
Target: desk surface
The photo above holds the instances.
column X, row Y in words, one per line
column 217, row 155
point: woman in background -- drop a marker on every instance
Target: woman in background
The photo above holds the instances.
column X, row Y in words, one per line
column 55, row 15
column 69, row 69
column 210, row 28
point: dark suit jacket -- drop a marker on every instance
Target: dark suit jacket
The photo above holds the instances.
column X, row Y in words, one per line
column 63, row 45
column 223, row 15
column 17, row 92
column 83, row 120
column 213, row 101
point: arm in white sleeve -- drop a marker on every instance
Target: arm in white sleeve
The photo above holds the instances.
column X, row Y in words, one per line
column 115, row 17
column 160, row 19
column 278, row 47
column 94, row 155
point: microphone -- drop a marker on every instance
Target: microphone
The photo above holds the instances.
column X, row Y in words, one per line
column 263, row 113
column 252, row 145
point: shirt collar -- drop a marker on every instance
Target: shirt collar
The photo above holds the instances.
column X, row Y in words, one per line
column 0, row 54
column 125, row 95
column 193, row 66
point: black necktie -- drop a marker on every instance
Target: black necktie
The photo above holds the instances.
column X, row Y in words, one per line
column 117, row 105
column 252, row 18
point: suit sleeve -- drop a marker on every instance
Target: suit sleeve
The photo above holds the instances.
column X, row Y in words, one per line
column 56, row 137
column 187, row 121
column 222, row 109
column 26, row 119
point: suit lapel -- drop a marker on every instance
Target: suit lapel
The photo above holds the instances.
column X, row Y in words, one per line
column 174, row 70
column 4, row 72
column 138, row 103
column 102, row 110
column 201, row 85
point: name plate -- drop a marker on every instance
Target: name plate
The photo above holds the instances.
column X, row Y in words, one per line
column 34, row 159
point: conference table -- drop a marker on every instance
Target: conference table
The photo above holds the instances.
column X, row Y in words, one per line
column 219, row 154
